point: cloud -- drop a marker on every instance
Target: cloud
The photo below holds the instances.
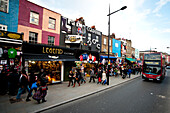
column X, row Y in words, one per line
column 158, row 15
column 160, row 4
column 166, row 31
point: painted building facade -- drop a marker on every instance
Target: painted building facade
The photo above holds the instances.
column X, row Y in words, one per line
column 9, row 15
column 116, row 47
column 38, row 24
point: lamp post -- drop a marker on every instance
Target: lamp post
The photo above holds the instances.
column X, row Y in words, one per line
column 124, row 7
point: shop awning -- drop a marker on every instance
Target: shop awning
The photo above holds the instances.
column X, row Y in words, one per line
column 131, row 59
column 45, row 57
column 111, row 57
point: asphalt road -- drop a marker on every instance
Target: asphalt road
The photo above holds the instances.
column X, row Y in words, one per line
column 136, row 96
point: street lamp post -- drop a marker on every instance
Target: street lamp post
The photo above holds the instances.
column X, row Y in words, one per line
column 124, row 7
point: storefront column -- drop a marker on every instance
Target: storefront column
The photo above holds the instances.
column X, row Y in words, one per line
column 62, row 72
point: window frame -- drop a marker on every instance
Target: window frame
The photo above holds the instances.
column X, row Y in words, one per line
column 32, row 17
column 54, row 24
column 2, row 9
column 33, row 39
column 50, row 41
column 104, row 41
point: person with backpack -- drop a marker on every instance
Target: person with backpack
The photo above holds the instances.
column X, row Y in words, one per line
column 23, row 81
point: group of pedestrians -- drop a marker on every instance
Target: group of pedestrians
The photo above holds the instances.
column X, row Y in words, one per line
column 29, row 83
column 99, row 73
column 76, row 76
column 16, row 83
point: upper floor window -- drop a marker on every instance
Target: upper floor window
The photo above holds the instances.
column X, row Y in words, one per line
column 3, row 27
column 50, row 40
column 104, row 41
column 33, row 37
column 51, row 23
column 4, row 4
column 110, row 42
column 34, row 18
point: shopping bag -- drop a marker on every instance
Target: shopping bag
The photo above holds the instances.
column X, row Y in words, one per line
column 99, row 79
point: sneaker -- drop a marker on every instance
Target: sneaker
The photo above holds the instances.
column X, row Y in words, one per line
column 44, row 100
column 28, row 100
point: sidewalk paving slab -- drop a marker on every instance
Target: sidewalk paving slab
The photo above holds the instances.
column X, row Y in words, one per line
column 59, row 94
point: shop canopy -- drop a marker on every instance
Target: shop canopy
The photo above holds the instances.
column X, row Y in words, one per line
column 111, row 57
column 131, row 59
column 45, row 57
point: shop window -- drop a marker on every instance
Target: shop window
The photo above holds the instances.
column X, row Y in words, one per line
column 34, row 18
column 3, row 27
column 51, row 23
column 33, row 37
column 50, row 40
column 51, row 68
column 4, row 4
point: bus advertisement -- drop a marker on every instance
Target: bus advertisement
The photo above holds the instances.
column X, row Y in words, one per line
column 153, row 66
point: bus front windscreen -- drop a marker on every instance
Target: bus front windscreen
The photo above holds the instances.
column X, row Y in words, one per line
column 152, row 67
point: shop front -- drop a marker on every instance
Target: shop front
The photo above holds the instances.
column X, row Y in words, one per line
column 10, row 50
column 52, row 60
column 87, row 60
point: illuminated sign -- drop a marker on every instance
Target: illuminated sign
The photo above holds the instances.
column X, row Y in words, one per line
column 73, row 39
column 52, row 50
column 11, row 35
column 152, row 63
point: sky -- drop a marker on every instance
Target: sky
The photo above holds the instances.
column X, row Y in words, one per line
column 145, row 22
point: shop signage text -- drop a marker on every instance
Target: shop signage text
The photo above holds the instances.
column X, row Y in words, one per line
column 73, row 39
column 93, row 31
column 11, row 35
column 52, row 50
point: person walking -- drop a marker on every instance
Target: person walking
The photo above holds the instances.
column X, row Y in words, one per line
column 120, row 68
column 77, row 76
column 3, row 82
column 33, row 84
column 82, row 77
column 129, row 72
column 13, row 82
column 92, row 75
column 99, row 76
column 70, row 76
column 104, row 77
column 43, row 90
column 23, row 80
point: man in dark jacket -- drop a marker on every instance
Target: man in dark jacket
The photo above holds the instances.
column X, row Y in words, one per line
column 99, row 76
column 13, row 82
column 23, row 80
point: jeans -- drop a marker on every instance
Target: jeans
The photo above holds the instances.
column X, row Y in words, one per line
column 20, row 90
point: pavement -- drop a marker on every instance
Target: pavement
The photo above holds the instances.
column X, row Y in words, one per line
column 59, row 94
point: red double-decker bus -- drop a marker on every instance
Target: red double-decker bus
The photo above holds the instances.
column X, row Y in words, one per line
column 153, row 66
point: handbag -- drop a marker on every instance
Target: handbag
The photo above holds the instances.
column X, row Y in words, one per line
column 99, row 79
column 37, row 95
